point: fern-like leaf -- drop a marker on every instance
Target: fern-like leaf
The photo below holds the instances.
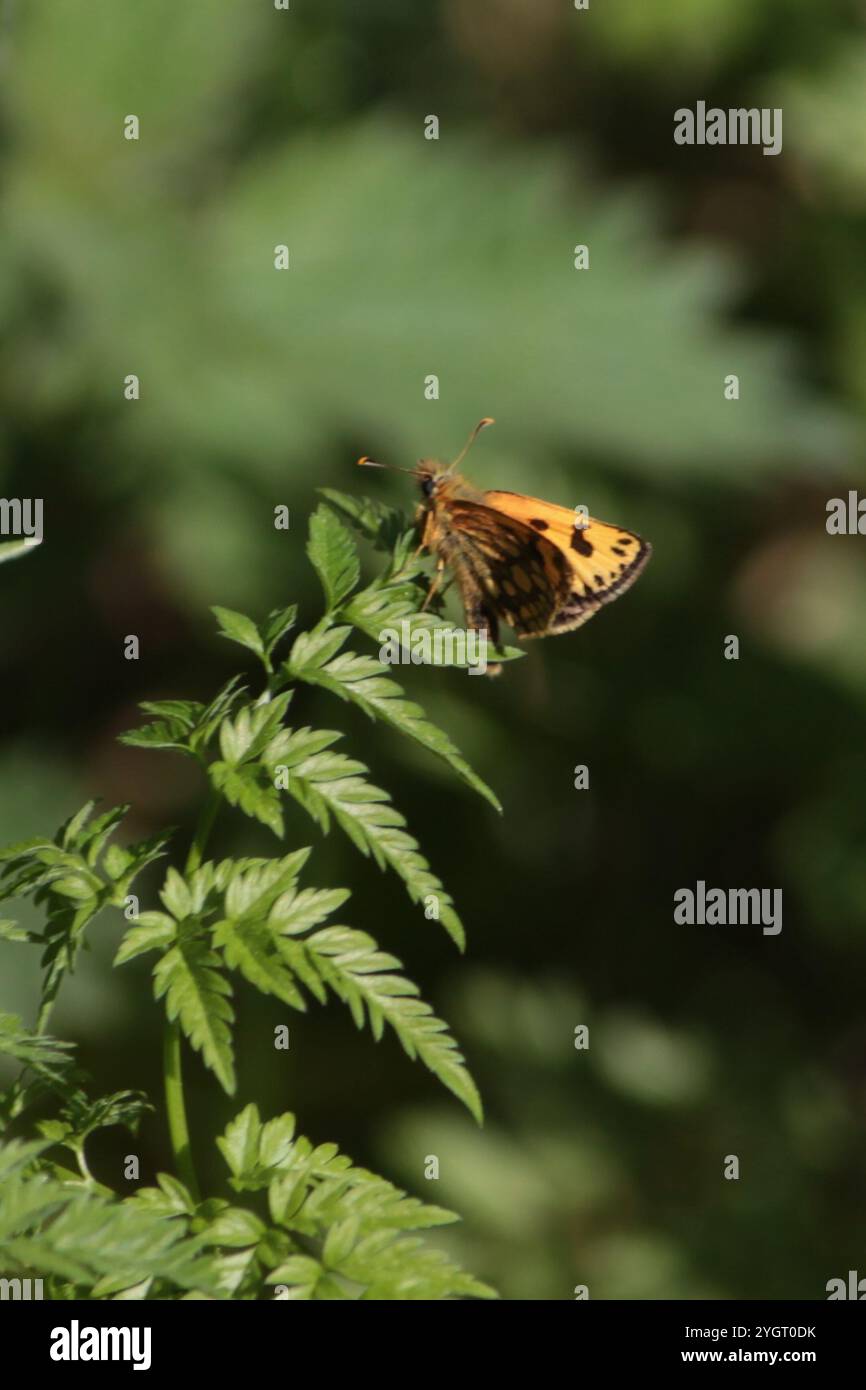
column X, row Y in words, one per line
column 327, row 783
column 364, row 681
column 196, row 994
column 334, row 556
column 352, row 965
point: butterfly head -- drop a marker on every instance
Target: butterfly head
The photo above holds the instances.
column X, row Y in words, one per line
column 432, row 476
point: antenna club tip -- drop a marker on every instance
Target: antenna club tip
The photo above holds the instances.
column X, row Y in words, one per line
column 363, row 461
column 488, row 420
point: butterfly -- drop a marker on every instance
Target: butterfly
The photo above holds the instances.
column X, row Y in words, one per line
column 540, row 568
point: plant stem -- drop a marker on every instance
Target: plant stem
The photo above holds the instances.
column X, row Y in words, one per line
column 176, row 1109
column 175, row 1103
column 203, row 829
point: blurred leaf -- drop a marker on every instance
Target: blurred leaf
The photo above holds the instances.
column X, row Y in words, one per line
column 649, row 1063
column 670, row 35
column 47, row 1056
column 11, row 550
column 825, row 109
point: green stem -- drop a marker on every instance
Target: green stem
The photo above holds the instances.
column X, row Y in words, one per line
column 82, row 1163
column 44, row 1013
column 203, row 829
column 175, row 1102
column 176, row 1110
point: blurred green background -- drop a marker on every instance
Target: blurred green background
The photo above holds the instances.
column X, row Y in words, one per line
column 455, row 257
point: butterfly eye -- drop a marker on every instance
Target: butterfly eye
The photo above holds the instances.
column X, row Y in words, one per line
column 427, row 486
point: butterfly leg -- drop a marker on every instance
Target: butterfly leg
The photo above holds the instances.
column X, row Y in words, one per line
column 427, row 532
column 437, row 579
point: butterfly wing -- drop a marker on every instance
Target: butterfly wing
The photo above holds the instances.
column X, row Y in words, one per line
column 602, row 560
column 506, row 569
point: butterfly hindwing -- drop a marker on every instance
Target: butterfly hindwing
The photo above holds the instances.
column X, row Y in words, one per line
column 522, row 577
column 602, row 560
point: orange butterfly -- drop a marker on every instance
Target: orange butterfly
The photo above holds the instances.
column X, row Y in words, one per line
column 540, row 568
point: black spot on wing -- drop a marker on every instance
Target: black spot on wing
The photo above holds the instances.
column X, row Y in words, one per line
column 615, row 585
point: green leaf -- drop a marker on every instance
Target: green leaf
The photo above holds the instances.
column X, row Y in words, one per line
column 250, row 789
column 403, row 1268
column 334, row 556
column 239, row 628
column 249, row 948
column 47, row 1056
column 302, row 1272
column 116, row 861
column 352, row 965
column 12, row 550
column 392, row 611
column 93, row 839
column 184, row 726
column 186, row 712
column 233, row 1227
column 176, row 895
column 244, row 736
column 355, row 1219
column 274, row 1155
column 69, row 834
column 152, row 931
column 66, row 876
column 364, row 681
column 327, row 783
column 239, row 1145
column 278, row 622
column 298, row 912
column 246, row 937
column 340, row 1241
column 78, row 1234
column 196, row 994
column 160, row 733
column 12, row 931
column 387, row 528
column 124, row 865
column 254, row 886
column 84, row 1116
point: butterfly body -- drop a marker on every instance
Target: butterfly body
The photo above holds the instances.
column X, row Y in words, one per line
column 540, row 568
column 536, row 566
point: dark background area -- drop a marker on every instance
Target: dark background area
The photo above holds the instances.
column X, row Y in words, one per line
column 455, row 257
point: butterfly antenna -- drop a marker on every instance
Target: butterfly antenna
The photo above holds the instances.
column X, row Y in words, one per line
column 364, row 462
column 482, row 425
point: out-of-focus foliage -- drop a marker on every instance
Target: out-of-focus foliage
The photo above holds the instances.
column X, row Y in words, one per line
column 455, row 257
